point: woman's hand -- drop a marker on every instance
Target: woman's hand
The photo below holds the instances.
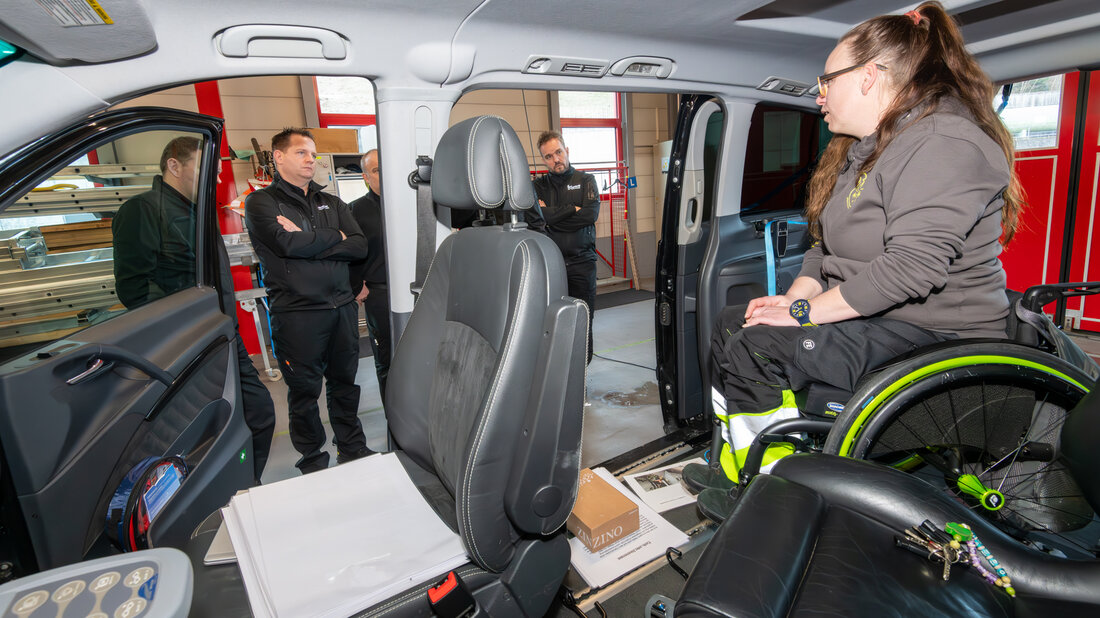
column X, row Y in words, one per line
column 771, row 315
column 767, row 301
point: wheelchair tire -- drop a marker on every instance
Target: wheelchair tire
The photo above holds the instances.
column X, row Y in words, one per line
column 989, row 411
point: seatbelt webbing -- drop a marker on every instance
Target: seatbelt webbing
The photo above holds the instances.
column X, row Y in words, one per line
column 425, row 221
column 774, row 250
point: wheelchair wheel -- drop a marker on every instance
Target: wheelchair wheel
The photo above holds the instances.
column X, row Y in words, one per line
column 983, row 421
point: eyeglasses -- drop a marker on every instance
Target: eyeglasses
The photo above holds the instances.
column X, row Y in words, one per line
column 823, row 81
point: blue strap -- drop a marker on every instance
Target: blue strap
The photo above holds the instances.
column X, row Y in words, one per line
column 770, row 255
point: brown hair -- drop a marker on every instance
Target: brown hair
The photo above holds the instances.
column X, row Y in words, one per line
column 549, row 135
column 281, row 141
column 181, row 149
column 928, row 62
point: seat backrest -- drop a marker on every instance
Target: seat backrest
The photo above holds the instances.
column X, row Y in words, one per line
column 1080, row 437
column 486, row 385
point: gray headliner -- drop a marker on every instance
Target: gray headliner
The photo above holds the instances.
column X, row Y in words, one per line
column 423, row 54
column 720, row 46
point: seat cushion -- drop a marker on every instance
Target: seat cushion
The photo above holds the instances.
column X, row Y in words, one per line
column 787, row 551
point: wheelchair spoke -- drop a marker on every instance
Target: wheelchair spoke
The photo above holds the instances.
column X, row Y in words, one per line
column 955, row 417
column 931, row 415
column 1023, row 440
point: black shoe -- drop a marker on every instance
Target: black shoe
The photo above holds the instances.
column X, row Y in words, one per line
column 341, row 457
column 717, row 504
column 698, row 477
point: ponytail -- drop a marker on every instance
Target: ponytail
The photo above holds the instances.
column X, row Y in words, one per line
column 928, row 61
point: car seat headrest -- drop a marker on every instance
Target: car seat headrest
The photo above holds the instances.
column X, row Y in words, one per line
column 480, row 163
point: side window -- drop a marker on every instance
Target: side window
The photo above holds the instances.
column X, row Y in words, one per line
column 783, row 147
column 1031, row 112
column 113, row 230
column 712, row 142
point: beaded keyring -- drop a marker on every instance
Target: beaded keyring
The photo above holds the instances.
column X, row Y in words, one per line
column 961, row 533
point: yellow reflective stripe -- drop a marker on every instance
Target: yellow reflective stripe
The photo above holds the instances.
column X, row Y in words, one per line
column 732, row 462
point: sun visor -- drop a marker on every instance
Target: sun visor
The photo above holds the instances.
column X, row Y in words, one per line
column 78, row 31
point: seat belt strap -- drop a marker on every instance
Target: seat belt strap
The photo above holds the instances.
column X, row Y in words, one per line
column 421, row 179
column 775, row 250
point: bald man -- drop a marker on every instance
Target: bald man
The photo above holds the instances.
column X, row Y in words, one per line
column 368, row 277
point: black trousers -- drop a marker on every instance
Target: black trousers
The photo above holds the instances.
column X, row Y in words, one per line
column 259, row 409
column 581, row 281
column 752, row 366
column 377, row 309
column 310, row 345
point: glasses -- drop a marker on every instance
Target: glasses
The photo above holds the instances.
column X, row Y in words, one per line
column 823, row 81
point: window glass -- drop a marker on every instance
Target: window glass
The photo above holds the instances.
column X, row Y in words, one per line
column 783, row 146
column 1032, row 112
column 712, row 142
column 345, row 95
column 587, row 105
column 97, row 239
column 590, row 146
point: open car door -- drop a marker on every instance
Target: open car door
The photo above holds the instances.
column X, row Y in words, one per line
column 732, row 229
column 106, row 363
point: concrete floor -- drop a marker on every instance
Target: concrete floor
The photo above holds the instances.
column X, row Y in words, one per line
column 622, row 412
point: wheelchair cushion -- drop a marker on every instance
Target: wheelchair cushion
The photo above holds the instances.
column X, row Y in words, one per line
column 790, row 550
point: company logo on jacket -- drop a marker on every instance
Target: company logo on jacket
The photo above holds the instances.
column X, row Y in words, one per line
column 858, row 190
column 323, row 207
column 572, row 187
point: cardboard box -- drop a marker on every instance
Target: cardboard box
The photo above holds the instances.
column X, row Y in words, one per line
column 602, row 515
column 336, row 140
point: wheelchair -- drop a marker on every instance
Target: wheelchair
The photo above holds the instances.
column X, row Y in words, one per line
column 1002, row 435
column 979, row 419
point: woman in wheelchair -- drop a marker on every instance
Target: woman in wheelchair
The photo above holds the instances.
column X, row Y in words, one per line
column 909, row 208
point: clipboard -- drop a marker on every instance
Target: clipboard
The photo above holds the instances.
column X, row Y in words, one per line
column 221, row 548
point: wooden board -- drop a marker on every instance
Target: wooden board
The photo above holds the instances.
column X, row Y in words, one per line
column 336, row 140
column 77, row 236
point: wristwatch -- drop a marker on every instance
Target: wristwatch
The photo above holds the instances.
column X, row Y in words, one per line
column 800, row 310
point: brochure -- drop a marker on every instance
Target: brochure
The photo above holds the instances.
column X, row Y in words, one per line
column 661, row 488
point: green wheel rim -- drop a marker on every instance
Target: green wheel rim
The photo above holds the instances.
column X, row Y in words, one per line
column 984, row 359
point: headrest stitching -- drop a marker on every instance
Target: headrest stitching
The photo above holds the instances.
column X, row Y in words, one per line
column 470, row 176
column 506, row 169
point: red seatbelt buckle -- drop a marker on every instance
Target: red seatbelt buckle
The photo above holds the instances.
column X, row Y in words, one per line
column 451, row 598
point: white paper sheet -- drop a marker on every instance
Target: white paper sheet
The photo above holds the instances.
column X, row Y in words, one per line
column 653, row 537
column 662, row 488
column 337, row 541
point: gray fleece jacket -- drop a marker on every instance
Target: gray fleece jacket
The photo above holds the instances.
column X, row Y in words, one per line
column 916, row 237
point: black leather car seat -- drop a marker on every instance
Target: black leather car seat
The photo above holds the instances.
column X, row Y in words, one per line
column 486, row 387
column 815, row 537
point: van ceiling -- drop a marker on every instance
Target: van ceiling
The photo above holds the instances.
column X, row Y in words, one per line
column 714, row 45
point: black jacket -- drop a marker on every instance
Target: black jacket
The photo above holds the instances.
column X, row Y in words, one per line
column 367, row 211
column 306, row 269
column 574, row 231
column 154, row 245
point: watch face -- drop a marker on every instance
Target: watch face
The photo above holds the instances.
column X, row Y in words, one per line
column 800, row 310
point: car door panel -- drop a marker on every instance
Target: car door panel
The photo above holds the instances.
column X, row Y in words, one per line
column 720, row 258
column 158, row 379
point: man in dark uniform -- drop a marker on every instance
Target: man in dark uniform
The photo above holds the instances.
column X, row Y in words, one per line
column 569, row 202
column 368, row 277
column 305, row 239
column 154, row 256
